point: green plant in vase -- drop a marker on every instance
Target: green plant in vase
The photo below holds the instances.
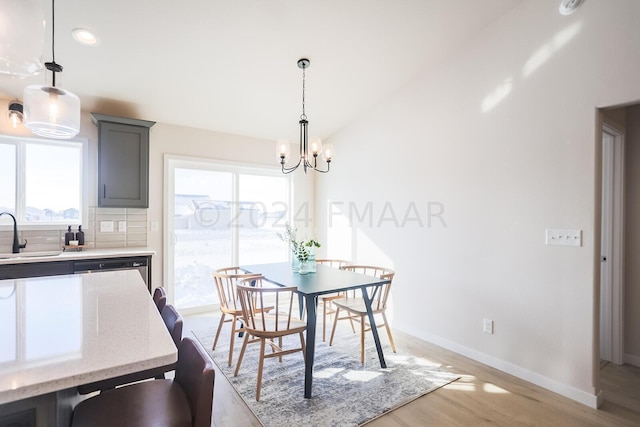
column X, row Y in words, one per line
column 303, row 253
column 306, row 254
column 289, row 237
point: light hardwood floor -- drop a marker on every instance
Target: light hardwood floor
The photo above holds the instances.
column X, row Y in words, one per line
column 483, row 396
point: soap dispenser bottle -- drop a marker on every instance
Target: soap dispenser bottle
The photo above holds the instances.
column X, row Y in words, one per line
column 80, row 236
column 68, row 236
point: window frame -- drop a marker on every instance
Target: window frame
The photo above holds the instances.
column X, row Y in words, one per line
column 20, row 143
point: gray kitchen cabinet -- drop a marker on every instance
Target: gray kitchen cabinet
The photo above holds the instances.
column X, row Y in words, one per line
column 123, row 161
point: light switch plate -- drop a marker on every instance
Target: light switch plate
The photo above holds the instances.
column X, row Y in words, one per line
column 558, row 237
column 106, row 226
column 122, row 226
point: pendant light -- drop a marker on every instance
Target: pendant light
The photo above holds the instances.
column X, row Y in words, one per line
column 15, row 113
column 50, row 111
column 21, row 38
column 309, row 150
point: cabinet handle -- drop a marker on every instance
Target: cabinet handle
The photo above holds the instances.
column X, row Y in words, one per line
column 104, row 191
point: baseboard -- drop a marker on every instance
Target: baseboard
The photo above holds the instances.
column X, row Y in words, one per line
column 632, row 359
column 590, row 400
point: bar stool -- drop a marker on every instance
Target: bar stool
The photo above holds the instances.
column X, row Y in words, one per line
column 186, row 400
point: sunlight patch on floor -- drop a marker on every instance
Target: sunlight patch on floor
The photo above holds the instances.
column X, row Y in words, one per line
column 327, row 373
column 491, row 388
column 361, row 376
column 464, row 383
column 426, row 362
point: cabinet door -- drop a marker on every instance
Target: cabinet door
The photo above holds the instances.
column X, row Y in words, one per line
column 123, row 162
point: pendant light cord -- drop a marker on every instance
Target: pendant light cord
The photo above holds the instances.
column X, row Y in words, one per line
column 53, row 30
column 53, row 66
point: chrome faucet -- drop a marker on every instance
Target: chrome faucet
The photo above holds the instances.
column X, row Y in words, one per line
column 16, row 245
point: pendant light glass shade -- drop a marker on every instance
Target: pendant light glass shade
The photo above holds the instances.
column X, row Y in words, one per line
column 21, row 37
column 51, row 112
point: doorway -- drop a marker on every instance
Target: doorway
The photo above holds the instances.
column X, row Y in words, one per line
column 218, row 215
column 612, row 246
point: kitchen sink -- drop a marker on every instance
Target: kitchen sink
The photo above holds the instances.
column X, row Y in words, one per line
column 30, row 254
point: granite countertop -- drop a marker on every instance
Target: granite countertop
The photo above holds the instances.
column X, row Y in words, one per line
column 71, row 254
column 63, row 331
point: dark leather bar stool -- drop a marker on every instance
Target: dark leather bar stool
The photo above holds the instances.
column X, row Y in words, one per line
column 173, row 322
column 186, row 400
column 160, row 298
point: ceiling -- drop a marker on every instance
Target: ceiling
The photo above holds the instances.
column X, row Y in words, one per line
column 230, row 66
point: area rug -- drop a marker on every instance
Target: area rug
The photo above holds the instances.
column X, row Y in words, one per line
column 345, row 392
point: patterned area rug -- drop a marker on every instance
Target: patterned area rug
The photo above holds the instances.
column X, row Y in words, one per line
column 345, row 392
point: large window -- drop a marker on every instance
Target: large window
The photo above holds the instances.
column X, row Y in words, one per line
column 219, row 215
column 41, row 180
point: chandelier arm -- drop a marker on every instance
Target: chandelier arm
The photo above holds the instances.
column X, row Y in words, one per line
column 290, row 169
column 322, row 171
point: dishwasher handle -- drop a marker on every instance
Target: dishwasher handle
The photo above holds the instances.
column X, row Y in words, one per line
column 114, row 265
column 109, row 264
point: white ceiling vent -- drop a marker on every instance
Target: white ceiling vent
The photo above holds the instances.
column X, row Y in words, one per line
column 567, row 7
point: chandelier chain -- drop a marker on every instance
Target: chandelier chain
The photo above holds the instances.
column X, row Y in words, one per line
column 304, row 115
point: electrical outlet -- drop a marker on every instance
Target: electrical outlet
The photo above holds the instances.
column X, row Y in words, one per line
column 106, row 226
column 487, row 326
column 154, row 226
column 122, row 226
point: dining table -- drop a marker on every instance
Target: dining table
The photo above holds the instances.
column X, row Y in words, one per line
column 325, row 280
column 59, row 332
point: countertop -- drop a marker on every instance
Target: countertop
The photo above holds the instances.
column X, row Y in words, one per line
column 59, row 332
column 85, row 253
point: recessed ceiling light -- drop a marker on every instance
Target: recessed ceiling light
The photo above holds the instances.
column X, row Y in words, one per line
column 567, row 7
column 85, row 37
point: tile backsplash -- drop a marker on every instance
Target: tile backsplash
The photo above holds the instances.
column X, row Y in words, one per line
column 129, row 230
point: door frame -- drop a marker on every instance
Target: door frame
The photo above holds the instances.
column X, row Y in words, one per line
column 612, row 292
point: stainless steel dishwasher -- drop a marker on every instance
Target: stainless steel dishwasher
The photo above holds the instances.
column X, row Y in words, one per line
column 141, row 264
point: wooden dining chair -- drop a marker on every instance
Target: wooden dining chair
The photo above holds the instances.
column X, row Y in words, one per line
column 226, row 279
column 268, row 327
column 325, row 300
column 353, row 304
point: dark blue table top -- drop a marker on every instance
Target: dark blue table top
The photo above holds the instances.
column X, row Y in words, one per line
column 325, row 280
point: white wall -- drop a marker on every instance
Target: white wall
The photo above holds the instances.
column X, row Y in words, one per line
column 503, row 137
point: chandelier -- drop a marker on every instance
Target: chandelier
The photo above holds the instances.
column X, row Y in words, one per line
column 50, row 111
column 309, row 149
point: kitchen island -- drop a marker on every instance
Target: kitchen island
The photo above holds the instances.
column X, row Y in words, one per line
column 58, row 332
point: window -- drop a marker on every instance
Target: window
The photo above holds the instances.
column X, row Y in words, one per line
column 41, row 180
column 220, row 215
